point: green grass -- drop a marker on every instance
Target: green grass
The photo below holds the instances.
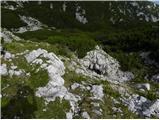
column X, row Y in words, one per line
column 26, row 104
column 38, row 79
column 54, row 110
column 151, row 94
column 108, row 113
column 21, row 46
column 19, row 105
column 71, row 77
column 78, row 42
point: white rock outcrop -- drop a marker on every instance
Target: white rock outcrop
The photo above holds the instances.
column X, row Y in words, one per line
column 8, row 36
column 32, row 25
column 55, row 87
column 10, row 70
column 18, row 4
column 8, row 55
column 69, row 115
column 77, row 85
column 97, row 91
column 85, row 115
column 142, row 106
column 155, row 78
column 3, row 69
column 98, row 64
column 153, row 109
column 145, row 86
column 80, row 16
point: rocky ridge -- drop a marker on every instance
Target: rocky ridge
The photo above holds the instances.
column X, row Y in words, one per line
column 55, row 87
column 98, row 64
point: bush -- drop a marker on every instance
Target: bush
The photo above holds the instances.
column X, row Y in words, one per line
column 132, row 40
column 128, row 61
column 10, row 19
column 79, row 44
column 39, row 79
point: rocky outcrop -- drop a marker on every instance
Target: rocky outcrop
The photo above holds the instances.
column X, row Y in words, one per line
column 32, row 25
column 97, row 91
column 11, row 69
column 155, row 78
column 153, row 109
column 85, row 115
column 8, row 36
column 142, row 106
column 144, row 86
column 17, row 4
column 3, row 69
column 55, row 87
column 98, row 64
column 80, row 16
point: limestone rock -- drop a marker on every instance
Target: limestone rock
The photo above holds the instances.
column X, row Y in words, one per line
column 77, row 85
column 85, row 115
column 145, row 86
column 3, row 69
column 69, row 115
column 155, row 78
column 32, row 25
column 34, row 54
column 55, row 87
column 98, row 64
column 97, row 91
column 97, row 112
column 8, row 36
column 153, row 109
column 142, row 106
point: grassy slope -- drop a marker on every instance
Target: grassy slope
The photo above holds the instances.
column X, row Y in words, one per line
column 29, row 106
column 28, row 86
column 58, row 47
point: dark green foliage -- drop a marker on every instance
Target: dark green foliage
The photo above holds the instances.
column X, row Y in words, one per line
column 10, row 19
column 132, row 40
column 79, row 44
column 76, row 41
column 121, row 44
column 38, row 35
column 19, row 106
column 98, row 14
column 128, row 62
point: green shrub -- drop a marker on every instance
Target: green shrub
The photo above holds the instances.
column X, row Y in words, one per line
column 39, row 79
column 128, row 62
column 54, row 110
column 10, row 19
column 79, row 44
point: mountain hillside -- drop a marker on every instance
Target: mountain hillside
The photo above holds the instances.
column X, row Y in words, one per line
column 79, row 60
column 83, row 15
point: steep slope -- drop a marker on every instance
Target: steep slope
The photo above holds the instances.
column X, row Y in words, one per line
column 55, row 89
column 79, row 60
